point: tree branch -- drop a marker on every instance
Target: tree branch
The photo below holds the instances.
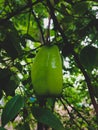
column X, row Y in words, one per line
column 70, row 114
column 88, row 81
column 65, row 40
column 55, row 21
column 17, row 11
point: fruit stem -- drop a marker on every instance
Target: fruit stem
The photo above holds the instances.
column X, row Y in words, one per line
column 42, row 103
column 48, row 31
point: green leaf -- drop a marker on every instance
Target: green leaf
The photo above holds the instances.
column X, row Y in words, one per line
column 24, row 126
column 11, row 41
column 81, row 7
column 12, row 85
column 11, row 109
column 45, row 116
column 12, row 81
column 4, row 73
column 91, row 128
column 1, row 128
column 89, row 57
column 4, row 76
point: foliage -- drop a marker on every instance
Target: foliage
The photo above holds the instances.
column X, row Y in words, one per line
column 72, row 26
column 46, row 116
column 11, row 109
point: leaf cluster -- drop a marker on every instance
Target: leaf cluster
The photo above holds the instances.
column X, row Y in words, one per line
column 73, row 27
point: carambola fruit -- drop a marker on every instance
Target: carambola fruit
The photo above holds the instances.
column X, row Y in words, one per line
column 46, row 72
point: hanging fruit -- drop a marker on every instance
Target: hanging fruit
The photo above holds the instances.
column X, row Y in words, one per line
column 46, row 72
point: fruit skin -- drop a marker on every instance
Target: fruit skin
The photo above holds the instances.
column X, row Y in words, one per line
column 46, row 72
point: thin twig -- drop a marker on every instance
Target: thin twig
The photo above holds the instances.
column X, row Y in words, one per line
column 29, row 21
column 78, row 113
column 38, row 23
column 71, row 116
column 48, row 31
